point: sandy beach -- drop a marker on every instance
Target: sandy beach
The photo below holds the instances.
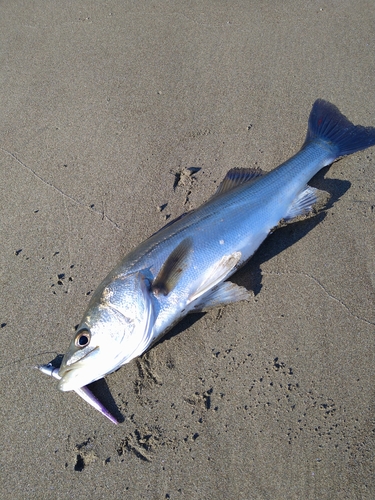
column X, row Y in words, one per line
column 105, row 106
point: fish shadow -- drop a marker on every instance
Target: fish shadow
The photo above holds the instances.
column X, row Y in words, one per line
column 250, row 275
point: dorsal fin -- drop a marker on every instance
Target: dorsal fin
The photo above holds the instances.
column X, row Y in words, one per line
column 172, row 268
column 237, row 176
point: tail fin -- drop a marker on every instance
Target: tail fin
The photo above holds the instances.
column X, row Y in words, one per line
column 327, row 124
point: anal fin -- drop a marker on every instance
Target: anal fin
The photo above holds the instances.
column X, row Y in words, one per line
column 309, row 201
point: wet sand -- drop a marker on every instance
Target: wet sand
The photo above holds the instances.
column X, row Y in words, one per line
column 103, row 106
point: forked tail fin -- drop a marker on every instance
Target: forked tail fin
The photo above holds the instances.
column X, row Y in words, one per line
column 328, row 125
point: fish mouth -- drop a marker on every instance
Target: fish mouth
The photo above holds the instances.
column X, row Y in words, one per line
column 72, row 375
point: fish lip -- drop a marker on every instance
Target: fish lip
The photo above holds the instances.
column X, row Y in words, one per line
column 64, row 368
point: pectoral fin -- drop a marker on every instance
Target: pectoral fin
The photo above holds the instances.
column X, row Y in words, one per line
column 172, row 268
column 218, row 272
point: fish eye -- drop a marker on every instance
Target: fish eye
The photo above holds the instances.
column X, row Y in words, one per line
column 83, row 338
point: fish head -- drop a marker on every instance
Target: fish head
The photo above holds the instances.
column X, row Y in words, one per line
column 116, row 328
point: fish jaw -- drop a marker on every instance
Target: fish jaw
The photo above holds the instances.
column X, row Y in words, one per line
column 72, row 380
column 77, row 371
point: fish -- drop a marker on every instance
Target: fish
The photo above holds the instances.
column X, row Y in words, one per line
column 185, row 266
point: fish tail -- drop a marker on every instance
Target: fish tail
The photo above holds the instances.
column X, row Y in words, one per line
column 328, row 125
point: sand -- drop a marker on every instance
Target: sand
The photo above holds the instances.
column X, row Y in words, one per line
column 102, row 105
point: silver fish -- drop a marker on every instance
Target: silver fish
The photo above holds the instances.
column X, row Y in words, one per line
column 184, row 266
